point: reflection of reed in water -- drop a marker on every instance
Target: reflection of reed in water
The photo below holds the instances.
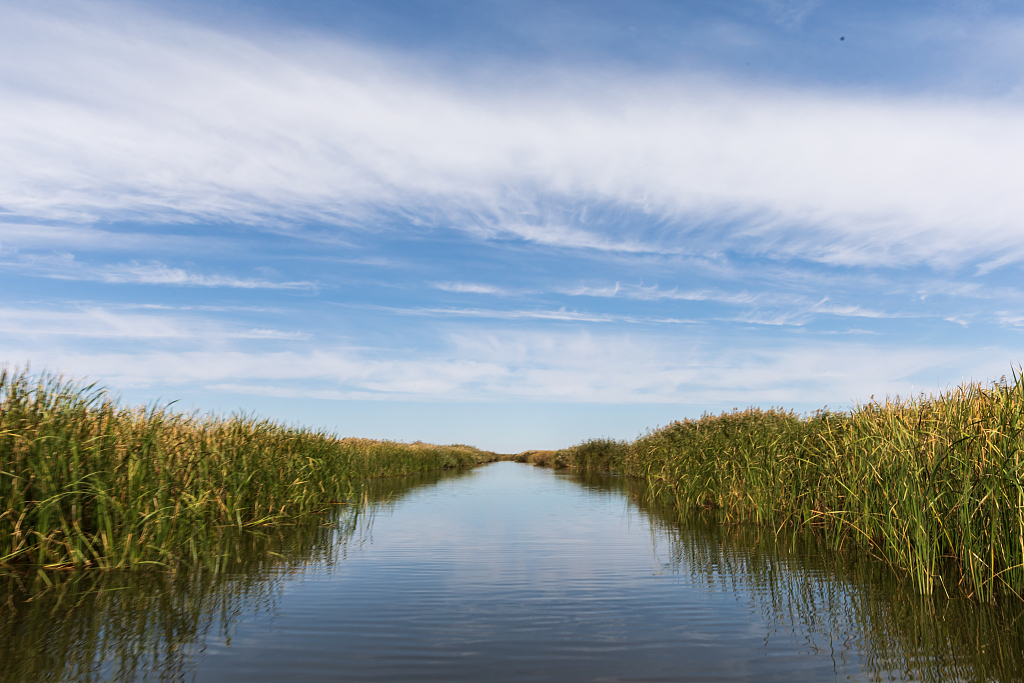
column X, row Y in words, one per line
column 87, row 482
column 842, row 605
column 125, row 626
column 932, row 484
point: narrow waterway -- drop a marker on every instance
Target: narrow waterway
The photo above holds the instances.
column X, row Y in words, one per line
column 508, row 573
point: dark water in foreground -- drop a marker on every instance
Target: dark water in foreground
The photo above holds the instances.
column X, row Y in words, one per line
column 507, row 573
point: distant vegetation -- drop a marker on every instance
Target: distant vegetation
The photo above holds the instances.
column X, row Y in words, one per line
column 933, row 485
column 85, row 482
column 543, row 458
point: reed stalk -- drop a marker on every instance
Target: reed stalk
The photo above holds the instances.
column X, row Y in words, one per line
column 86, row 482
column 933, row 485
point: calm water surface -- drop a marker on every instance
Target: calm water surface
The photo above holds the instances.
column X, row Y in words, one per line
column 507, row 573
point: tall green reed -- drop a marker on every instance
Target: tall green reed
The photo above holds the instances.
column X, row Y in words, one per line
column 87, row 482
column 152, row 625
column 934, row 485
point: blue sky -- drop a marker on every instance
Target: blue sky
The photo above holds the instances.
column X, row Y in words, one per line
column 512, row 224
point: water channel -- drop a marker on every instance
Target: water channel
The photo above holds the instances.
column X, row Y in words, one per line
column 507, row 573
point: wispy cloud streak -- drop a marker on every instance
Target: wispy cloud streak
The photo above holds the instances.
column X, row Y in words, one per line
column 66, row 267
column 553, row 315
column 469, row 288
column 655, row 293
column 150, row 117
column 499, row 365
column 99, row 322
column 159, row 274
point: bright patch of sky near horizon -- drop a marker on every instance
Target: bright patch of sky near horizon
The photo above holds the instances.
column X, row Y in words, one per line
column 512, row 224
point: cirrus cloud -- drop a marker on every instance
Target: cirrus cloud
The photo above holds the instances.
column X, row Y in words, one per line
column 154, row 118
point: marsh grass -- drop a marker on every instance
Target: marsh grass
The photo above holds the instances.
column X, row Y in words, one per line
column 85, row 482
column 852, row 608
column 933, row 485
column 843, row 603
column 131, row 625
column 154, row 625
column 542, row 459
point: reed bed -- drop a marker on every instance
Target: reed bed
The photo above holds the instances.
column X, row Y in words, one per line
column 842, row 603
column 86, row 482
column 129, row 626
column 541, row 458
column 933, row 485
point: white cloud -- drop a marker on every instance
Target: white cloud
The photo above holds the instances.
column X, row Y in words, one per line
column 1009, row 319
column 145, row 117
column 17, row 236
column 468, row 288
column 537, row 314
column 556, row 235
column 64, row 266
column 98, row 322
column 655, row 293
column 572, row 366
column 856, row 311
column 159, row 274
column 769, row 308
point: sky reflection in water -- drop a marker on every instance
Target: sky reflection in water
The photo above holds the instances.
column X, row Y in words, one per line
column 510, row 573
